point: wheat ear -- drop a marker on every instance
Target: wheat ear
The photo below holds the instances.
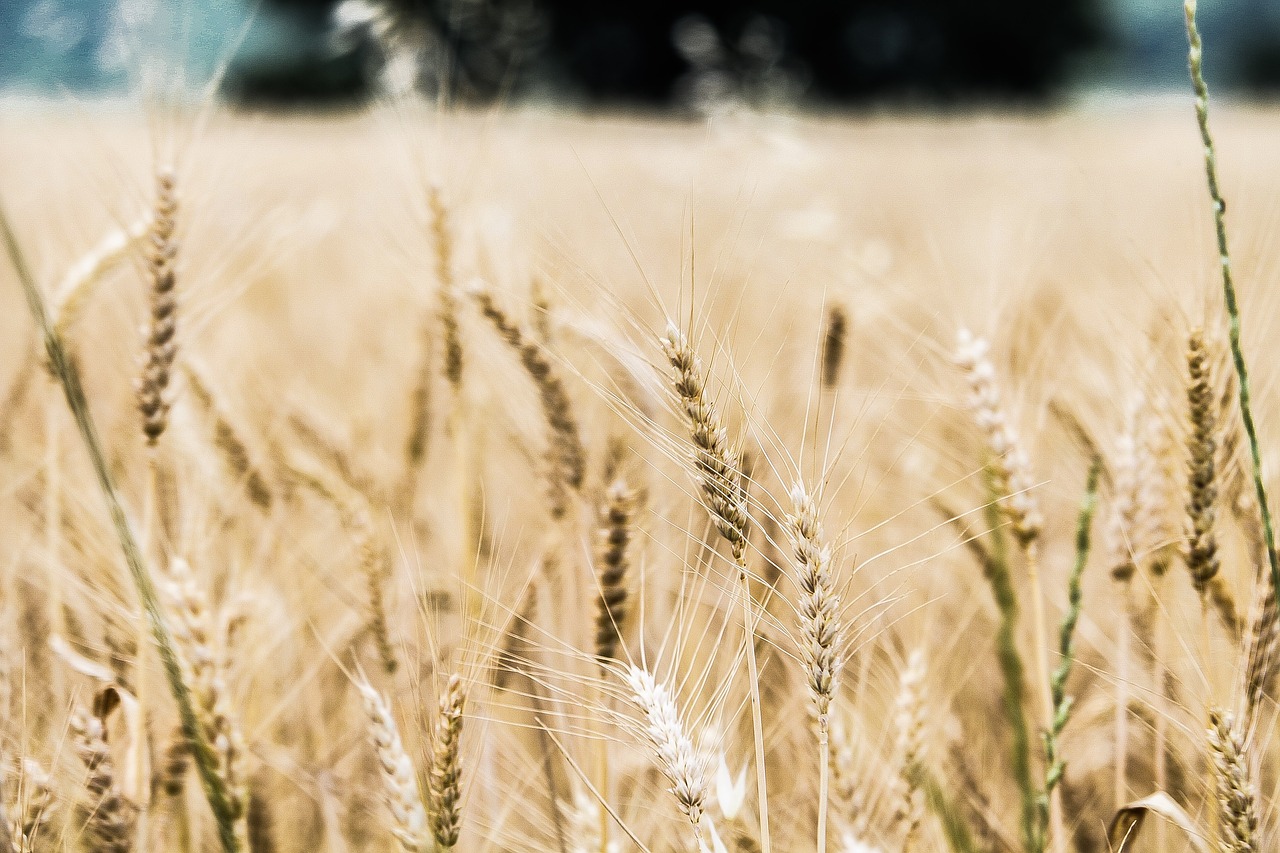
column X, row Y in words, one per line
column 161, row 333
column 1237, row 810
column 1201, row 553
column 1010, row 467
column 614, row 565
column 227, row 439
column 171, row 776
column 565, row 455
column 82, row 277
column 1264, row 641
column 821, row 627
column 260, row 821
column 64, row 369
column 356, row 518
column 442, row 243
column 399, row 779
column 447, row 320
column 833, row 345
column 909, row 716
column 109, row 823
column 724, row 493
column 445, row 779
column 684, row 767
column 34, row 814
column 206, row 673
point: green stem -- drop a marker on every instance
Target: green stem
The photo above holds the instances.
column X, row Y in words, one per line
column 64, row 368
column 996, row 568
column 953, row 824
column 1055, row 765
column 1195, row 57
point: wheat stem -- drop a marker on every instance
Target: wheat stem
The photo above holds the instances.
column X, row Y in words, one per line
column 1055, row 764
column 1195, row 57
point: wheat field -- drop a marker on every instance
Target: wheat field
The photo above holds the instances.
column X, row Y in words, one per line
column 522, row 481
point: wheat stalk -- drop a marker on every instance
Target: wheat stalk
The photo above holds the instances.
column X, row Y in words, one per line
column 1055, row 763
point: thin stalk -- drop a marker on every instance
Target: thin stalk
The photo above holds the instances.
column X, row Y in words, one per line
column 64, row 369
column 757, row 724
column 1051, row 801
column 959, row 838
column 1039, row 628
column 824, row 781
column 1160, row 734
column 1121, row 717
column 1195, row 56
column 53, row 513
column 996, row 568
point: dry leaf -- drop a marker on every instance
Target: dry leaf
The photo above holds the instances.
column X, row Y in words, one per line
column 1129, row 819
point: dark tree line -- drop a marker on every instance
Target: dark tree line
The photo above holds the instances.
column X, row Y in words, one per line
column 923, row 51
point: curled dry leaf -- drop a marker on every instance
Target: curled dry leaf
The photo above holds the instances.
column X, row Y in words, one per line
column 1128, row 822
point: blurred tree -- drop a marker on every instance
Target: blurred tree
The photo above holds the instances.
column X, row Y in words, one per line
column 921, row 50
